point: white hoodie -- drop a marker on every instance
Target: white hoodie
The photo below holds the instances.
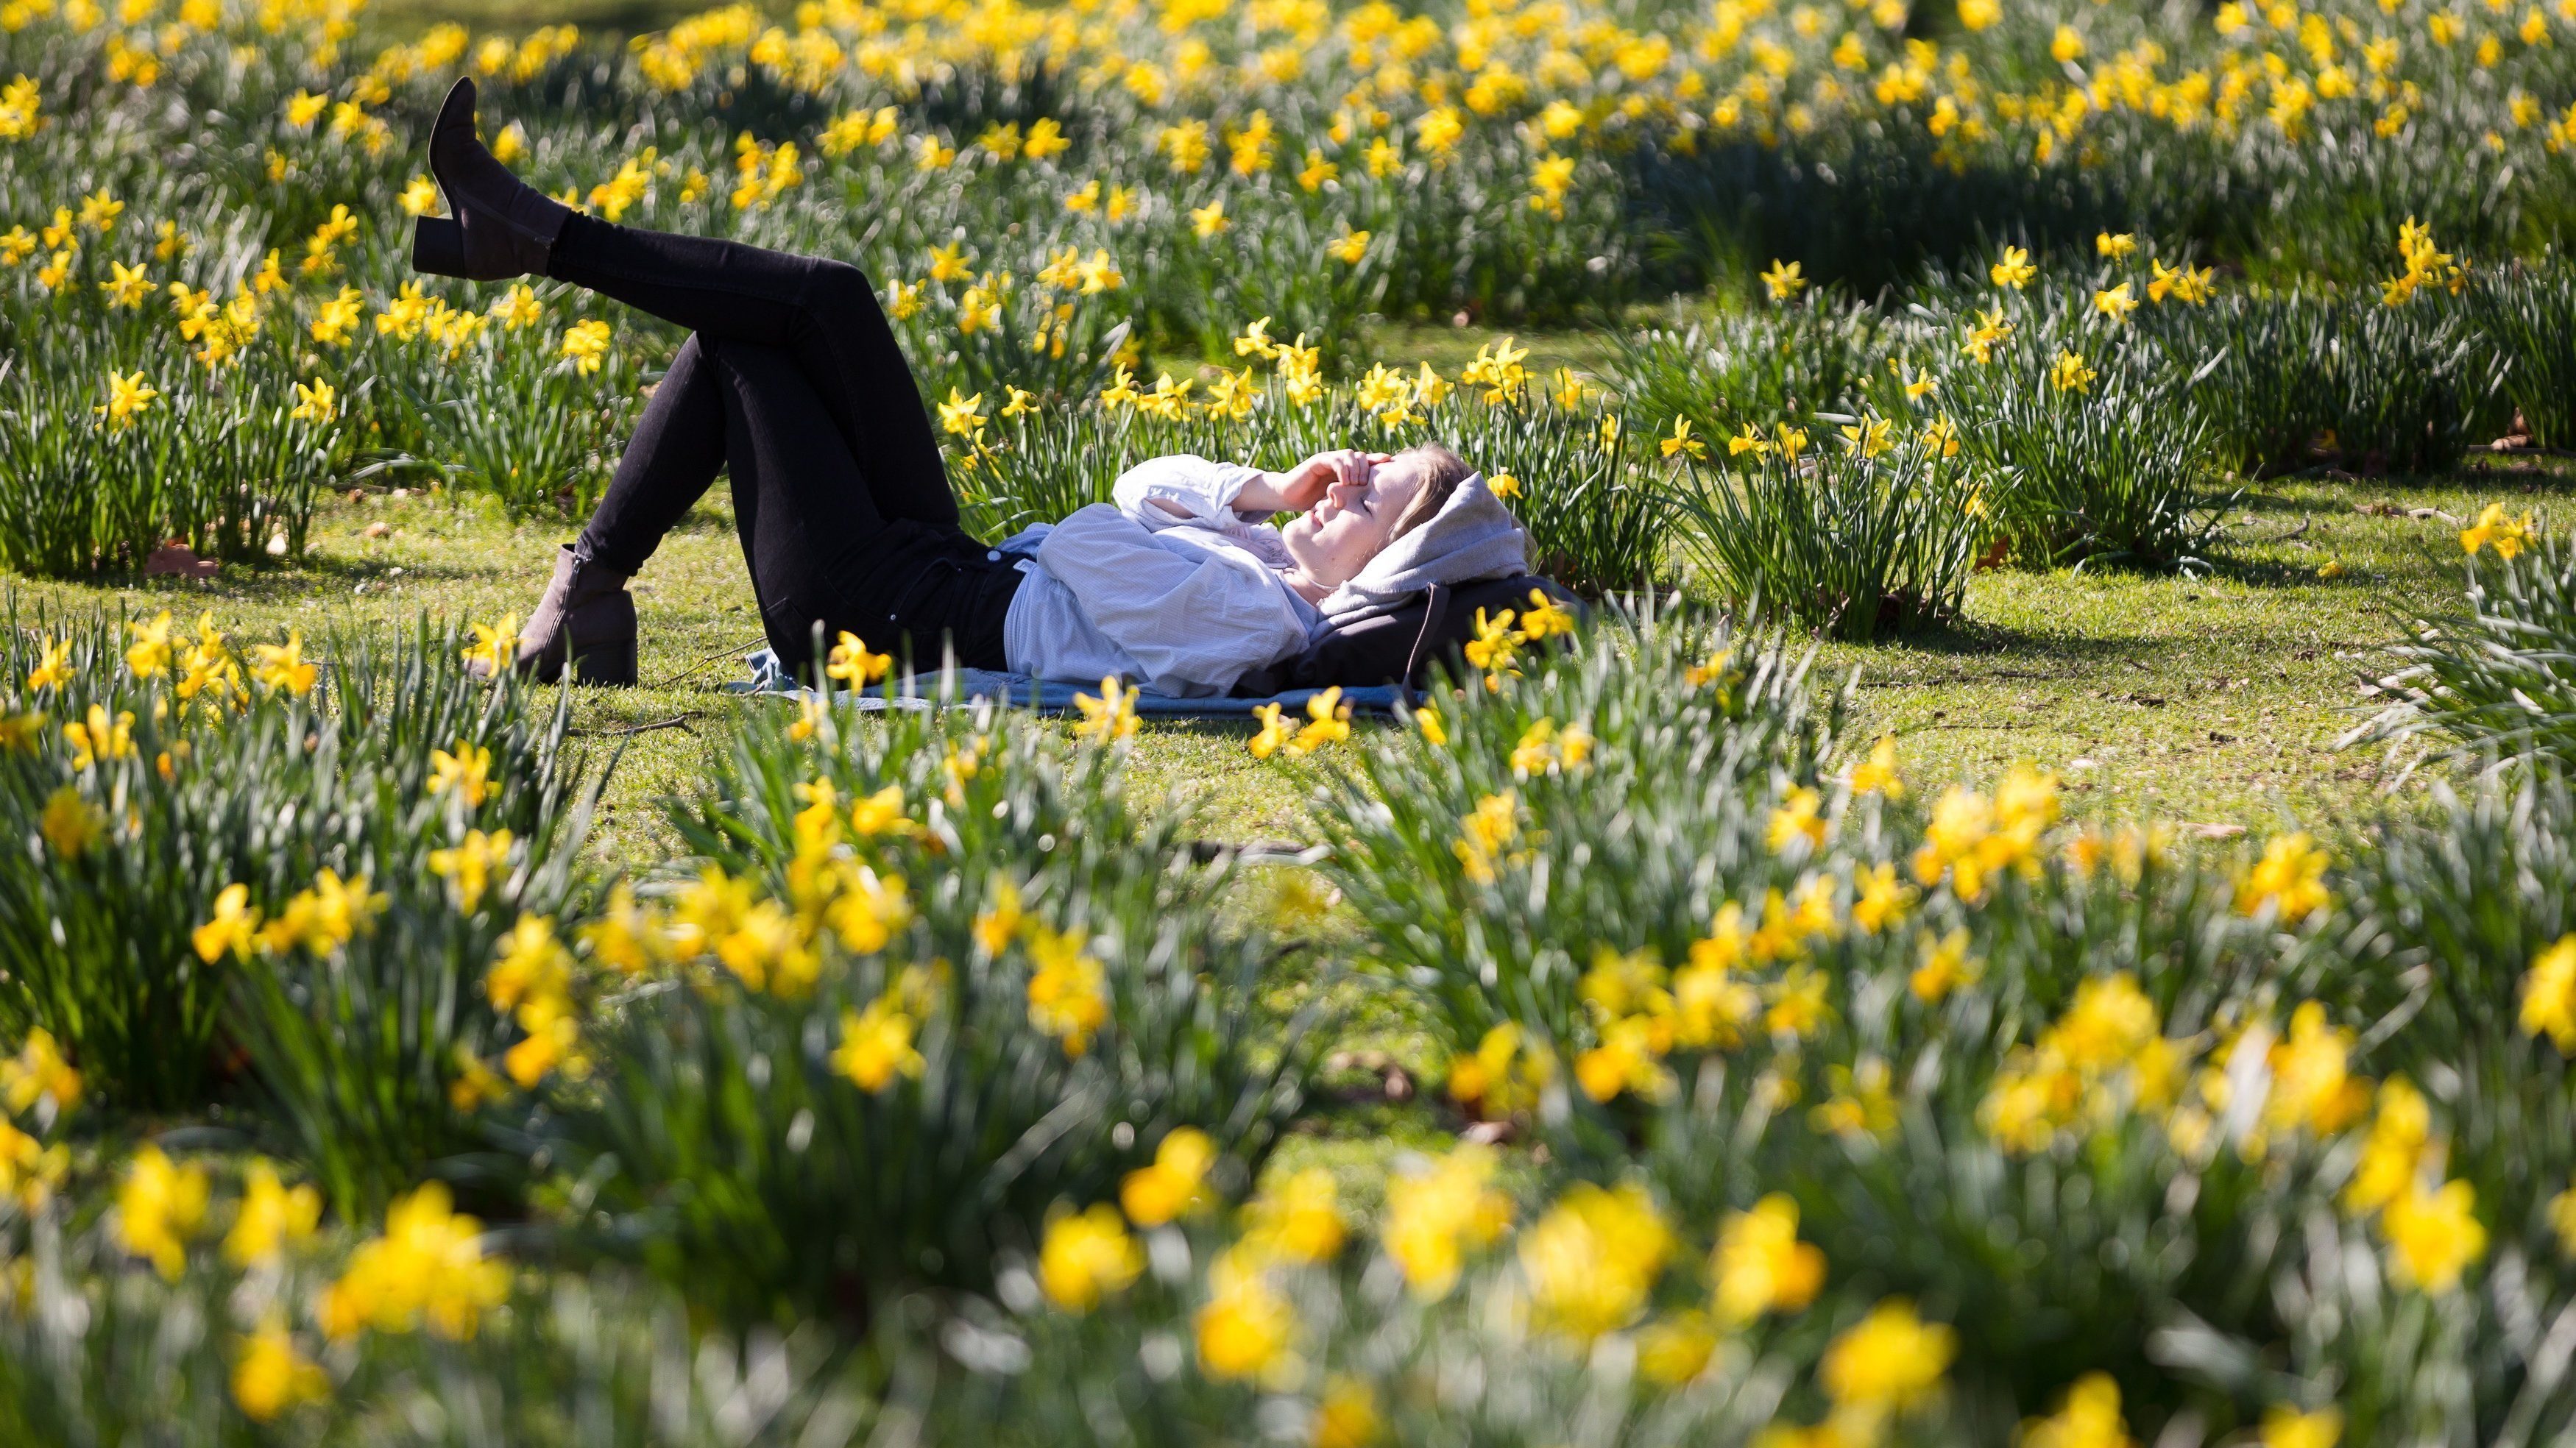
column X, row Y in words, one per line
column 1183, row 603
column 1187, row 603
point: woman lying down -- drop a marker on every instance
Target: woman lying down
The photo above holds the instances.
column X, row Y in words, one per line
column 792, row 381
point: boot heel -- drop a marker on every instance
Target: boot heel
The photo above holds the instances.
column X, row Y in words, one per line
column 610, row 664
column 600, row 637
column 438, row 246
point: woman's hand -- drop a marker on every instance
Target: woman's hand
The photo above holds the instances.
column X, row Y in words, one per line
column 1303, row 486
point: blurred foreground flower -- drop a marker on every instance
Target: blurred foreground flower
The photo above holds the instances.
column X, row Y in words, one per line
column 427, row 1267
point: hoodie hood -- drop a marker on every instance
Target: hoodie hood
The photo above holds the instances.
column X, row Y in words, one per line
column 1473, row 537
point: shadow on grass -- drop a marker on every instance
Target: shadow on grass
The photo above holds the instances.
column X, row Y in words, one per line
column 2328, row 491
column 1972, row 638
column 1243, row 727
column 2539, row 474
column 2546, row 476
column 319, row 576
column 311, row 577
column 2277, row 572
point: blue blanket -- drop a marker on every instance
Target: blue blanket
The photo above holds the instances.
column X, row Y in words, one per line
column 926, row 691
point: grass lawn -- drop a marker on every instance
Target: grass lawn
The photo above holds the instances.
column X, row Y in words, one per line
column 2214, row 700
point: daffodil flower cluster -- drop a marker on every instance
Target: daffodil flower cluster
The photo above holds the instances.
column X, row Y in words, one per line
column 39, row 1077
column 878, row 1044
column 37, row 1081
column 159, row 1206
column 1757, row 1268
column 773, row 944
column 1245, row 1328
column 2105, row 1056
column 2425, row 265
column 162, row 1208
column 2288, row 881
column 1888, row 1364
column 1068, row 989
column 1592, row 1260
column 1973, row 838
column 1328, row 721
column 1505, row 1074
column 1439, row 1215
column 318, row 920
column 427, row 1268
column 531, row 981
column 1496, row 644
column 1641, row 1013
column 1486, row 836
column 2430, row 1226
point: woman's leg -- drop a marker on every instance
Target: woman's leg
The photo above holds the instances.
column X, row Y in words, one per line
column 585, row 619
column 819, row 547
column 800, row 505
column 822, row 313
column 670, row 462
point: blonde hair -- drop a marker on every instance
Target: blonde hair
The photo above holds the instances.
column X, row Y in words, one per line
column 1445, row 470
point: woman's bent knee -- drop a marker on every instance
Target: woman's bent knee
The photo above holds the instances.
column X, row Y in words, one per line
column 837, row 288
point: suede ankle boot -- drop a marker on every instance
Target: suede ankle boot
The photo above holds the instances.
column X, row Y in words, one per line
column 500, row 226
column 586, row 620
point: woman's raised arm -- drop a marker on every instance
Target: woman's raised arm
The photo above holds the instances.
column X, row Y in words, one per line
column 1302, row 486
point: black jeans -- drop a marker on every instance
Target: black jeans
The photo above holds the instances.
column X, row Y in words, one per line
column 794, row 384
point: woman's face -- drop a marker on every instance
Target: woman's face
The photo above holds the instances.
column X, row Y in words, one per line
column 1336, row 538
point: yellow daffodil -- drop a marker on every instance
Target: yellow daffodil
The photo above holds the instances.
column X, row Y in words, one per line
column 98, row 737
column 2549, row 995
column 469, row 865
column 315, row 402
column 1760, row 1266
column 39, row 1075
column 1087, row 1256
column 2289, row 879
column 1435, row 1218
column 271, row 1376
column 272, row 1217
column 1110, row 717
column 493, row 646
column 1890, row 1359
column 1162, row 1190
column 2509, row 536
column 127, row 398
column 586, row 343
column 2433, row 1235
column 158, row 1208
column 852, row 664
column 1068, row 991
column 2286, row 1427
column 425, row 1268
column 877, row 1046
